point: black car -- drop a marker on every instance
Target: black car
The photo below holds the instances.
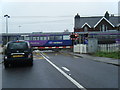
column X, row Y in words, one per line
column 18, row 52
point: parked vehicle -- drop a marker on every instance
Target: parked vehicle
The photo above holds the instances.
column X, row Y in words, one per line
column 17, row 52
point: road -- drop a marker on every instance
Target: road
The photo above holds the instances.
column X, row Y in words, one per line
column 61, row 70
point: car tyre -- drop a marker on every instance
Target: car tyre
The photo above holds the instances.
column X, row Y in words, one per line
column 6, row 65
column 31, row 63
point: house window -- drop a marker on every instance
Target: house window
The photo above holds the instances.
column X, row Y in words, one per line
column 106, row 28
column 100, row 28
column 85, row 29
column 103, row 28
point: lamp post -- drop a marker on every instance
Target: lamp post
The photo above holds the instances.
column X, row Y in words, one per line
column 7, row 16
column 6, row 22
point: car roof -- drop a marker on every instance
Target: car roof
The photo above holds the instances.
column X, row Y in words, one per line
column 18, row 40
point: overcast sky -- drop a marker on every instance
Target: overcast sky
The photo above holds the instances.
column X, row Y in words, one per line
column 34, row 16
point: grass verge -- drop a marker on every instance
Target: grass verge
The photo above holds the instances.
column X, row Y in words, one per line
column 115, row 55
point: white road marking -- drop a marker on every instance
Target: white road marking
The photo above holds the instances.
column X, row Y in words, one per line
column 46, row 55
column 66, row 69
column 66, row 75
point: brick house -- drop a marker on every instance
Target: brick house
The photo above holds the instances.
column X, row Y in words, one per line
column 96, row 23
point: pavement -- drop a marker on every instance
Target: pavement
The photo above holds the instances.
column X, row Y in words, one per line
column 98, row 59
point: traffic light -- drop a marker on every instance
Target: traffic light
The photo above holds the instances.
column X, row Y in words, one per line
column 74, row 36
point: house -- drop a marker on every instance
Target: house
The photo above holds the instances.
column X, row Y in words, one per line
column 97, row 23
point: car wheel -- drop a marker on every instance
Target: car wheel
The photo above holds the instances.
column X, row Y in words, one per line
column 6, row 65
column 31, row 63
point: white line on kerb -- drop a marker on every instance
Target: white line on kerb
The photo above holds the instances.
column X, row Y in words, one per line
column 67, row 76
column 66, row 69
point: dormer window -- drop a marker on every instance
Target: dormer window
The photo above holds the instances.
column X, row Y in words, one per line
column 86, row 27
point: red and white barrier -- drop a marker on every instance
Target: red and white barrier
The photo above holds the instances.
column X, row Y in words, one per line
column 52, row 47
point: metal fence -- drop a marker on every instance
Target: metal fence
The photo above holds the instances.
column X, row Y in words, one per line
column 109, row 47
column 82, row 48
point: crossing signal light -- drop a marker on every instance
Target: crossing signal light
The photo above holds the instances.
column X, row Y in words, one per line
column 74, row 36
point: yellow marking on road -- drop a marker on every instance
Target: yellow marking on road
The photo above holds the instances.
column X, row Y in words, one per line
column 40, row 58
column 37, row 54
column 44, row 53
column 56, row 54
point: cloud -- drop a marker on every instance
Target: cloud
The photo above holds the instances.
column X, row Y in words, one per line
column 60, row 0
column 51, row 16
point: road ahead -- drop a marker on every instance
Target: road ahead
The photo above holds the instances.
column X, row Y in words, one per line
column 61, row 70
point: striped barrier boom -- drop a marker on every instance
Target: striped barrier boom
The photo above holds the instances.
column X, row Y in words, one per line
column 52, row 47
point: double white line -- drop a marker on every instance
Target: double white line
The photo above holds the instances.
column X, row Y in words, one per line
column 66, row 75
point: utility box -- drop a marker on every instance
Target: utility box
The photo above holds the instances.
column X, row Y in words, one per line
column 92, row 45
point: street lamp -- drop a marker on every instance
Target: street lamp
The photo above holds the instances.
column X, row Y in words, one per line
column 7, row 26
column 6, row 22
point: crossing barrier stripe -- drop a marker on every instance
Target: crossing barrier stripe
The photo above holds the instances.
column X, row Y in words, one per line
column 52, row 47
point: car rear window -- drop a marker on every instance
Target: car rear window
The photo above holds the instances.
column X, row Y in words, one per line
column 18, row 45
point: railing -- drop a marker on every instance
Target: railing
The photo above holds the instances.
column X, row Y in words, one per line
column 80, row 48
column 109, row 47
column 83, row 48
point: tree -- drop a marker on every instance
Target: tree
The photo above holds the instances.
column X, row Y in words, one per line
column 66, row 30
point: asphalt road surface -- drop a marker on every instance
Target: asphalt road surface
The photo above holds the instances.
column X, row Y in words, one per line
column 61, row 70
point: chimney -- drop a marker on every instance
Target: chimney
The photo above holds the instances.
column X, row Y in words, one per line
column 77, row 21
column 119, row 11
column 107, row 15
